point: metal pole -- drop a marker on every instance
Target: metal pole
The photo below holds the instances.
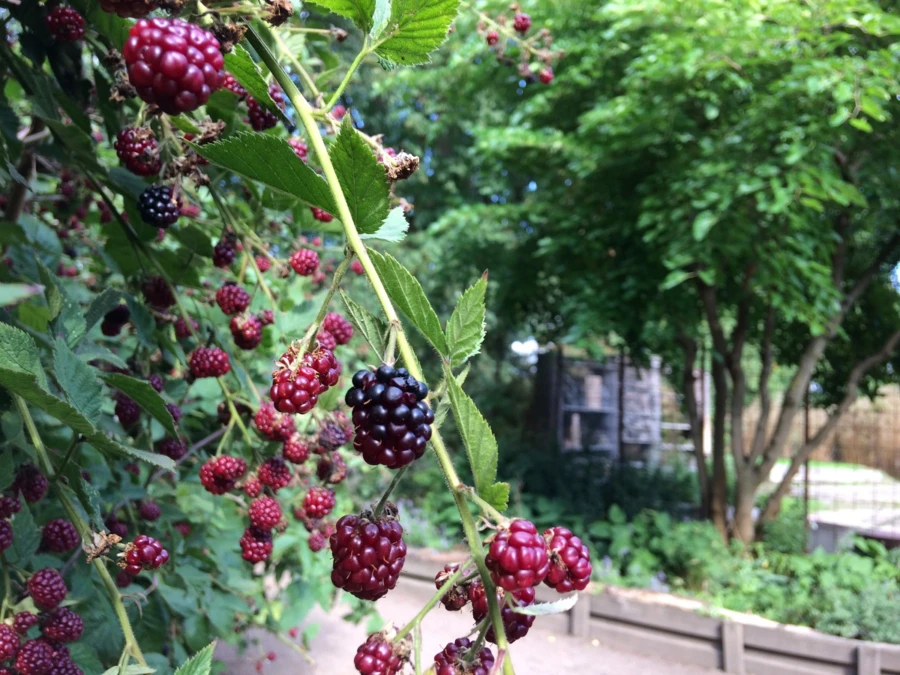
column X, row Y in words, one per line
column 621, row 394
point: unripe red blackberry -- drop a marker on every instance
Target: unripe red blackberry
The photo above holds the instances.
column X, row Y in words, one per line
column 6, row 535
column 295, row 449
column 209, row 362
column 260, row 118
column 36, row 657
column 338, row 112
column 522, row 23
column 299, row 147
column 546, row 75
column 295, row 385
column 232, row 299
column 31, row 483
column 62, row 625
column 272, row 424
column 332, row 469
column 266, row 317
column 128, row 412
column 331, row 436
column 326, row 340
column 274, row 473
column 252, row 487
column 9, row 506
column 173, row 64
column 138, row 151
column 224, row 251
column 305, row 261
column 184, row 529
column 144, row 553
column 123, row 579
column 220, row 474
column 357, row 268
column 324, row 362
column 174, row 411
column 515, row 625
column 246, row 331
column 265, row 513
column 369, row 553
column 150, row 511
column 378, row 656
column 156, row 381
column 316, row 541
column 159, row 206
column 129, row 9
column 116, row 526
column 318, row 502
column 65, row 667
column 458, row 596
column 9, row 643
column 263, row 263
column 320, row 215
column 570, row 561
column 492, row 37
column 59, row 536
column 256, row 545
column 517, row 557
column 338, row 326
column 47, row 588
column 182, row 332
column 173, row 448
column 457, row 659
column 391, row 417
column 22, row 623
column 65, row 24
column 157, row 293
column 234, row 86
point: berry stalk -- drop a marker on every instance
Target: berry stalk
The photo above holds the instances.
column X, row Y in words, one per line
column 305, row 111
column 435, row 599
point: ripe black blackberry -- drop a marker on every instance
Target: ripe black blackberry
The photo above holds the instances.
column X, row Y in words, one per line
column 159, row 206
column 391, row 417
column 31, row 483
column 138, row 151
column 156, row 381
column 173, row 448
column 369, row 553
column 114, row 320
column 127, row 410
column 224, row 251
column 157, row 293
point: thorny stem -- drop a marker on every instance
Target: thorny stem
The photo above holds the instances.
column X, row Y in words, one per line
column 323, row 310
column 305, row 112
column 390, row 488
column 70, row 451
column 473, row 497
column 84, row 531
column 435, row 599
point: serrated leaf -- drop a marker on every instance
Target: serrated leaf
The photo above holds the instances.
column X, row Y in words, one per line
column 86, row 493
column 443, row 406
column 19, row 353
column 544, row 608
column 363, row 179
column 145, row 396
column 85, row 657
column 407, row 294
column 393, row 229
column 481, row 446
column 270, row 161
column 497, row 495
column 416, row 28
column 10, row 294
column 78, row 381
column 240, row 64
column 26, row 537
column 200, row 664
column 195, row 239
column 372, row 328
column 380, row 17
column 90, row 352
column 358, row 11
column 465, row 330
column 51, row 292
column 142, row 320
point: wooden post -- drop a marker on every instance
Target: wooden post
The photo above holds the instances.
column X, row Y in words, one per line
column 868, row 659
column 733, row 647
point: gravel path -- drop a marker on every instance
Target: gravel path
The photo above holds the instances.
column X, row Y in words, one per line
column 542, row 652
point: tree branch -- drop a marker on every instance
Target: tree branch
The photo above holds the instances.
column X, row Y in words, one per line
column 688, row 385
column 765, row 396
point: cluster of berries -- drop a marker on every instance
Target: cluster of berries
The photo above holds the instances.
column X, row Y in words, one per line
column 259, row 117
column 300, row 378
column 32, row 485
column 539, row 45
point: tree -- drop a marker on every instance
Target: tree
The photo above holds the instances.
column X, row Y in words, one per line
column 697, row 171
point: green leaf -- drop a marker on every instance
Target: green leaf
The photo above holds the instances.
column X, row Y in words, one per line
column 380, row 17
column 18, row 353
column 10, row 294
column 497, row 495
column 481, row 446
column 393, row 229
column 86, row 493
column 85, row 657
column 26, row 537
column 703, row 223
column 272, row 162
column 465, row 330
column 373, row 328
column 674, row 278
column 78, row 381
column 52, row 293
column 416, row 28
column 407, row 294
column 145, row 396
column 94, row 352
column 443, row 406
column 861, row 124
column 6, row 462
column 200, row 664
column 240, row 64
column 195, row 239
column 544, row 608
column 363, row 179
column 358, row 11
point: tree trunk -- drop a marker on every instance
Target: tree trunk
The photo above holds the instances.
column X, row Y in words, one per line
column 695, row 417
column 742, row 526
column 719, row 497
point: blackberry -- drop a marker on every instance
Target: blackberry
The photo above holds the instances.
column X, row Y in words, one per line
column 299, row 147
column 129, row 9
column 515, row 625
column 150, row 511
column 23, row 622
column 128, row 412
column 157, row 293
column 570, row 561
column 117, row 316
column 66, row 667
column 320, row 215
column 326, row 340
column 173, row 64
column 234, row 86
column 9, row 643
column 9, row 506
column 260, row 118
column 546, row 75
column 35, row 657
column 318, row 502
column 65, row 24
column 295, row 387
column 391, row 417
column 156, row 382
column 31, row 483
column 174, row 411
column 232, row 299
column 159, row 207
column 517, row 557
column 144, row 553
column 256, row 545
column 522, row 23
column 62, row 625
column 6, row 535
column 47, row 588
column 378, row 656
column 332, row 435
column 457, row 596
column 138, row 151
column 59, row 536
column 123, row 579
column 173, row 448
column 116, row 526
column 325, row 364
column 357, row 268
column 182, row 332
column 265, row 513
column 263, row 263
column 305, row 261
column 274, row 473
column 316, row 541
column 246, row 331
column 457, row 659
column 209, row 362
column 492, row 37
column 295, row 449
column 220, row 474
column 272, row 424
column 252, row 487
column 224, row 251
column 339, row 327
column 266, row 317
column 369, row 553
column 332, row 469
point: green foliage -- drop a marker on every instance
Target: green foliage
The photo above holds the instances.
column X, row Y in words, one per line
column 363, row 179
